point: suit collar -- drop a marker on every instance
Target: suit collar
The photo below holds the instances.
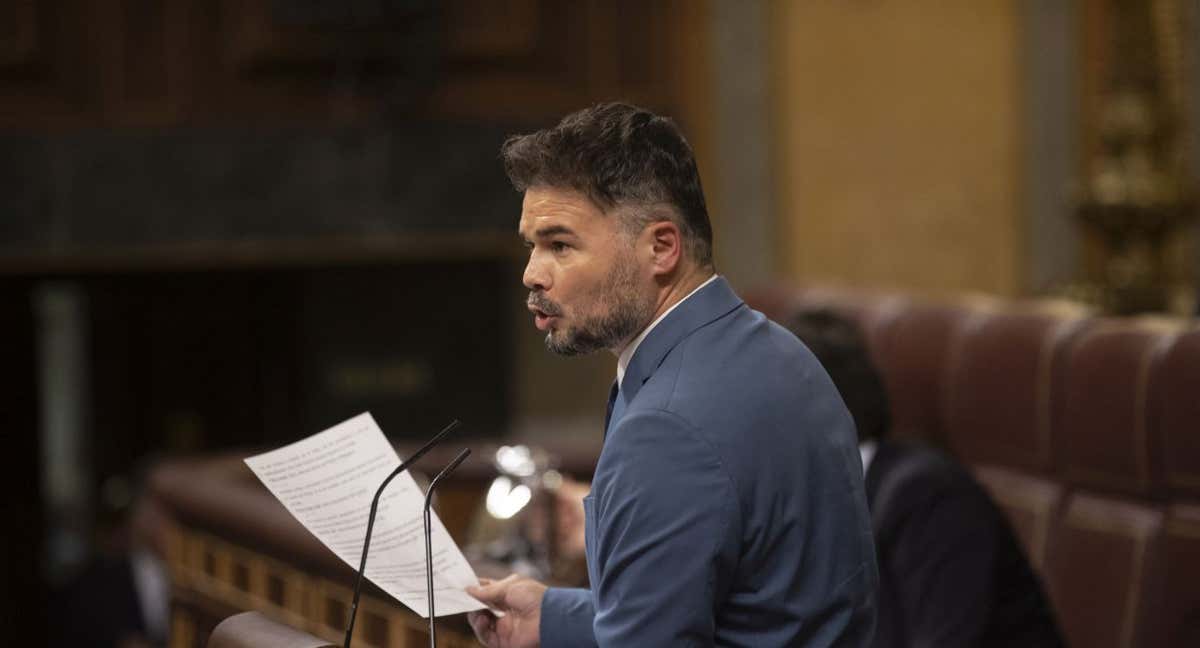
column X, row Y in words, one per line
column 708, row 304
column 627, row 355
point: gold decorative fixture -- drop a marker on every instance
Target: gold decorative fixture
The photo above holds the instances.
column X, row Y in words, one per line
column 1138, row 198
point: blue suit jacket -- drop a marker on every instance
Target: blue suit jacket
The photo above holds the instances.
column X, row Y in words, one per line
column 727, row 506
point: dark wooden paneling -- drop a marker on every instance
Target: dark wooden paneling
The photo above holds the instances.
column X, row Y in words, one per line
column 141, row 61
column 18, row 33
column 293, row 35
column 189, row 362
column 44, row 79
column 430, row 189
column 482, row 30
column 156, row 63
column 22, row 591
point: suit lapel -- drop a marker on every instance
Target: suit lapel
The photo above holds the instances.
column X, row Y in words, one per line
column 710, row 303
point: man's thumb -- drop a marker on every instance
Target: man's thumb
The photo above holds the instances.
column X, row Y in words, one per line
column 490, row 593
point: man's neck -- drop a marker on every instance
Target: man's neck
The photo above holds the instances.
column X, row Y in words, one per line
column 674, row 293
column 668, row 295
column 626, row 354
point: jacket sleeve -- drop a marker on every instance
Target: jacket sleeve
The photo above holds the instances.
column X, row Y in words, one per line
column 663, row 546
column 567, row 617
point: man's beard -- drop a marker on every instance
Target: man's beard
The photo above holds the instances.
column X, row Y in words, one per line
column 622, row 314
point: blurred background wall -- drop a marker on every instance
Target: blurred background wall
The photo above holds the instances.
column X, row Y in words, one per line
column 230, row 224
column 900, row 163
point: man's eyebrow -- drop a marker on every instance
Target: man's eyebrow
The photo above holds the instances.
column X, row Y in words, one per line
column 551, row 230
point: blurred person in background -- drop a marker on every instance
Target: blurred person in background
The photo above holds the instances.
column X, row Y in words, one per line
column 723, row 510
column 121, row 598
column 951, row 571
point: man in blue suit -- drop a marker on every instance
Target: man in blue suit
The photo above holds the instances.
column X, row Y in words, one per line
column 725, row 509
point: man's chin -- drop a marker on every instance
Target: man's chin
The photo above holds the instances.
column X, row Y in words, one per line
column 565, row 345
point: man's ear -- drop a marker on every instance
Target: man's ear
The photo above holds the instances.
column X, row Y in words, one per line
column 666, row 246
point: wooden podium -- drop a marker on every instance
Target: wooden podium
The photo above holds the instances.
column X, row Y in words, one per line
column 231, row 547
column 253, row 630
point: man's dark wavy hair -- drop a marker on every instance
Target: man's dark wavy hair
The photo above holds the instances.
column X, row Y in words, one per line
column 618, row 155
column 841, row 348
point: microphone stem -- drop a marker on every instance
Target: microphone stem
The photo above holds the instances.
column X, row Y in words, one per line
column 429, row 576
column 429, row 541
column 362, row 565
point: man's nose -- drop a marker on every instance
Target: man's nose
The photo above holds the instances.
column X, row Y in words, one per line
column 535, row 277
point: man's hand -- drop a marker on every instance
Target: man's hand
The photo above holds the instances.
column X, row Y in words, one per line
column 520, row 599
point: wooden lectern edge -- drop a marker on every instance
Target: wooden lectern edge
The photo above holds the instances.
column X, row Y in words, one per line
column 254, row 630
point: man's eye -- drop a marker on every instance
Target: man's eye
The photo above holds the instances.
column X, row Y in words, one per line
column 559, row 246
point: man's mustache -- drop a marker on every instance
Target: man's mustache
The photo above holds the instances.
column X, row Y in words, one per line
column 541, row 303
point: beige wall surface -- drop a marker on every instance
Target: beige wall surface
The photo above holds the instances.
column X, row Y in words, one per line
column 897, row 143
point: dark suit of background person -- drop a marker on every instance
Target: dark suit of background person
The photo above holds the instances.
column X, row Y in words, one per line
column 120, row 599
column 951, row 570
column 725, row 509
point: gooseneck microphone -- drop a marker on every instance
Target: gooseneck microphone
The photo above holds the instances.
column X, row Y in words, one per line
column 362, row 565
column 429, row 540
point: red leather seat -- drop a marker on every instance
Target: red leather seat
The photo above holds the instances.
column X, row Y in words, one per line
column 912, row 354
column 1031, row 504
column 1178, row 414
column 1180, row 619
column 872, row 312
column 1107, row 560
column 1105, row 572
column 908, row 341
column 1086, row 432
column 1002, row 376
column 1109, row 439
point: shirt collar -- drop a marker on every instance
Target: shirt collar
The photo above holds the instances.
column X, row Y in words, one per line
column 867, row 450
column 628, row 351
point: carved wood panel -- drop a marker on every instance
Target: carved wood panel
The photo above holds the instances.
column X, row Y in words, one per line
column 483, row 30
column 39, row 43
column 141, row 61
column 18, row 33
column 154, row 63
column 305, row 35
column 579, row 53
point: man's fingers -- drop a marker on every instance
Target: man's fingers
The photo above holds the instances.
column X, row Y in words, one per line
column 491, row 593
column 484, row 626
column 485, row 582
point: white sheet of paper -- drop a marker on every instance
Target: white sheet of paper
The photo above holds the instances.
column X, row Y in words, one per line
column 327, row 481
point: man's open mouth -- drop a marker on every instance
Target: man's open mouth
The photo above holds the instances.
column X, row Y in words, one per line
column 541, row 318
column 544, row 311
